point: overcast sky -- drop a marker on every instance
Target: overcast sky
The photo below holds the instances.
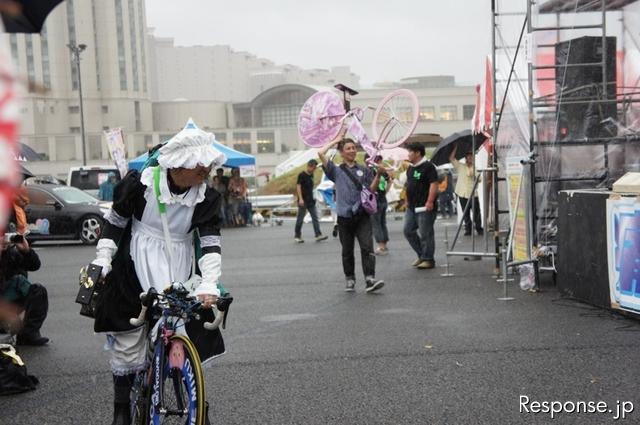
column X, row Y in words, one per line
column 382, row 40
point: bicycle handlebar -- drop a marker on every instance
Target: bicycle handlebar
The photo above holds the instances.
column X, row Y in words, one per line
column 221, row 308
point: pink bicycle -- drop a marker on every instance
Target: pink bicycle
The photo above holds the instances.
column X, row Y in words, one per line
column 324, row 114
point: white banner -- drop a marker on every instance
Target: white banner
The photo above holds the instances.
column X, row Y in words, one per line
column 115, row 141
column 247, row 171
column 623, row 252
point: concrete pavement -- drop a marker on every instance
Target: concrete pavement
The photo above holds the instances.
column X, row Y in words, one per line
column 425, row 350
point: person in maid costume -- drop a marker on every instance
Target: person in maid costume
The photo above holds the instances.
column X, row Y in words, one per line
column 135, row 255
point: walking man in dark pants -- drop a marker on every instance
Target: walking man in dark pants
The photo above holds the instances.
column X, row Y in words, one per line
column 353, row 222
column 304, row 193
column 420, row 216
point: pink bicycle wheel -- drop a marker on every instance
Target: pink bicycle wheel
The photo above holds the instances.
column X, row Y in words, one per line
column 320, row 118
column 395, row 118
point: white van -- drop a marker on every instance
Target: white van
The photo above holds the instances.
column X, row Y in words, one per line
column 90, row 178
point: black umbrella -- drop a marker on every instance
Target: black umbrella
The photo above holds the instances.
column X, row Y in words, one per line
column 25, row 15
column 463, row 140
column 28, row 154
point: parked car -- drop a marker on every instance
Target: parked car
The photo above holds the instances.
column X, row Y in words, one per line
column 57, row 212
column 90, row 178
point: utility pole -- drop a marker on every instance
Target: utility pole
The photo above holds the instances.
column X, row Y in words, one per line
column 75, row 53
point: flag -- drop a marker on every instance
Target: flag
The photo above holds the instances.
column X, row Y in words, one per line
column 488, row 95
column 9, row 118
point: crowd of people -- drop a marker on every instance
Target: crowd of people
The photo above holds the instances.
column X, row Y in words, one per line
column 427, row 195
column 135, row 234
column 235, row 209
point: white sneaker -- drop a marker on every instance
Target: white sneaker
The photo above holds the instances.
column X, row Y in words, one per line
column 350, row 286
column 298, row 240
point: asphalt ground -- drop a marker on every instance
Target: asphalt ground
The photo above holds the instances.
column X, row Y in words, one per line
column 426, row 349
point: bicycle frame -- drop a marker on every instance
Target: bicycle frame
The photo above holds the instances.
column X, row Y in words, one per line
column 354, row 126
column 166, row 356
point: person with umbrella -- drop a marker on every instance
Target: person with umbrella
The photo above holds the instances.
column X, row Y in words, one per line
column 464, row 190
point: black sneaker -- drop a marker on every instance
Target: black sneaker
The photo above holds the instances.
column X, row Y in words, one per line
column 335, row 231
column 34, row 339
column 374, row 284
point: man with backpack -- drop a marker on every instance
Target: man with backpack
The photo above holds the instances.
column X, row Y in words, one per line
column 351, row 179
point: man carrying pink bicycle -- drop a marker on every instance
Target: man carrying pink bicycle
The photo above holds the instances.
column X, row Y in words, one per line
column 326, row 118
column 353, row 221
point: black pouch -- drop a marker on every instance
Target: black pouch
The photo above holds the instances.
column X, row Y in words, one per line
column 89, row 288
column 14, row 378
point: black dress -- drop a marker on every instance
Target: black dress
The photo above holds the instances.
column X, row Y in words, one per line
column 119, row 299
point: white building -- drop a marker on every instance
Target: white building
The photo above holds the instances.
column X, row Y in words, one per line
column 219, row 73
column 267, row 125
column 114, row 81
column 149, row 87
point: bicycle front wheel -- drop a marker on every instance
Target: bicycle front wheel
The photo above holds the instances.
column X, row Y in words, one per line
column 395, row 118
column 177, row 393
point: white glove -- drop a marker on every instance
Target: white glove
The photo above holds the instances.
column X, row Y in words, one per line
column 105, row 250
column 210, row 267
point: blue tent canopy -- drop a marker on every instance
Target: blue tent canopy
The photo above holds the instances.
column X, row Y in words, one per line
column 234, row 158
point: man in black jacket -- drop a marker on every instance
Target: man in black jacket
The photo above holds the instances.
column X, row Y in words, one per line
column 17, row 258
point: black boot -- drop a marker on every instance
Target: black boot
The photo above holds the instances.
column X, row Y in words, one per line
column 122, row 399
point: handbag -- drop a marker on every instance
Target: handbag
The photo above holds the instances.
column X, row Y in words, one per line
column 90, row 286
column 368, row 199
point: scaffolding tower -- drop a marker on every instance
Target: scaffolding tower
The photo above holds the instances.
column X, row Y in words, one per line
column 557, row 107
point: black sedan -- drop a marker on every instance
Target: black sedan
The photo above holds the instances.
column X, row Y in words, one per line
column 58, row 212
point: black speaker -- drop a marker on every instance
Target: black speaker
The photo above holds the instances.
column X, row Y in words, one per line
column 584, row 84
column 583, row 271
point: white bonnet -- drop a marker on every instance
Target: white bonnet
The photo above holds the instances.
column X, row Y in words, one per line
column 189, row 148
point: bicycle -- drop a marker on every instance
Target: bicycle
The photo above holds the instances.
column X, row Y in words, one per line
column 324, row 114
column 172, row 384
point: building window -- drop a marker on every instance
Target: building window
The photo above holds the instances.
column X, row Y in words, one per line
column 143, row 59
column 136, row 110
column 122, row 61
column 74, row 109
column 428, row 113
column 74, row 130
column 280, row 116
column 242, row 141
column 134, row 46
column 31, row 69
column 105, row 109
column 95, row 43
column 221, row 137
column 13, row 38
column 449, row 113
column 44, row 53
column 467, row 111
column 266, row 142
column 71, row 28
column 52, row 109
